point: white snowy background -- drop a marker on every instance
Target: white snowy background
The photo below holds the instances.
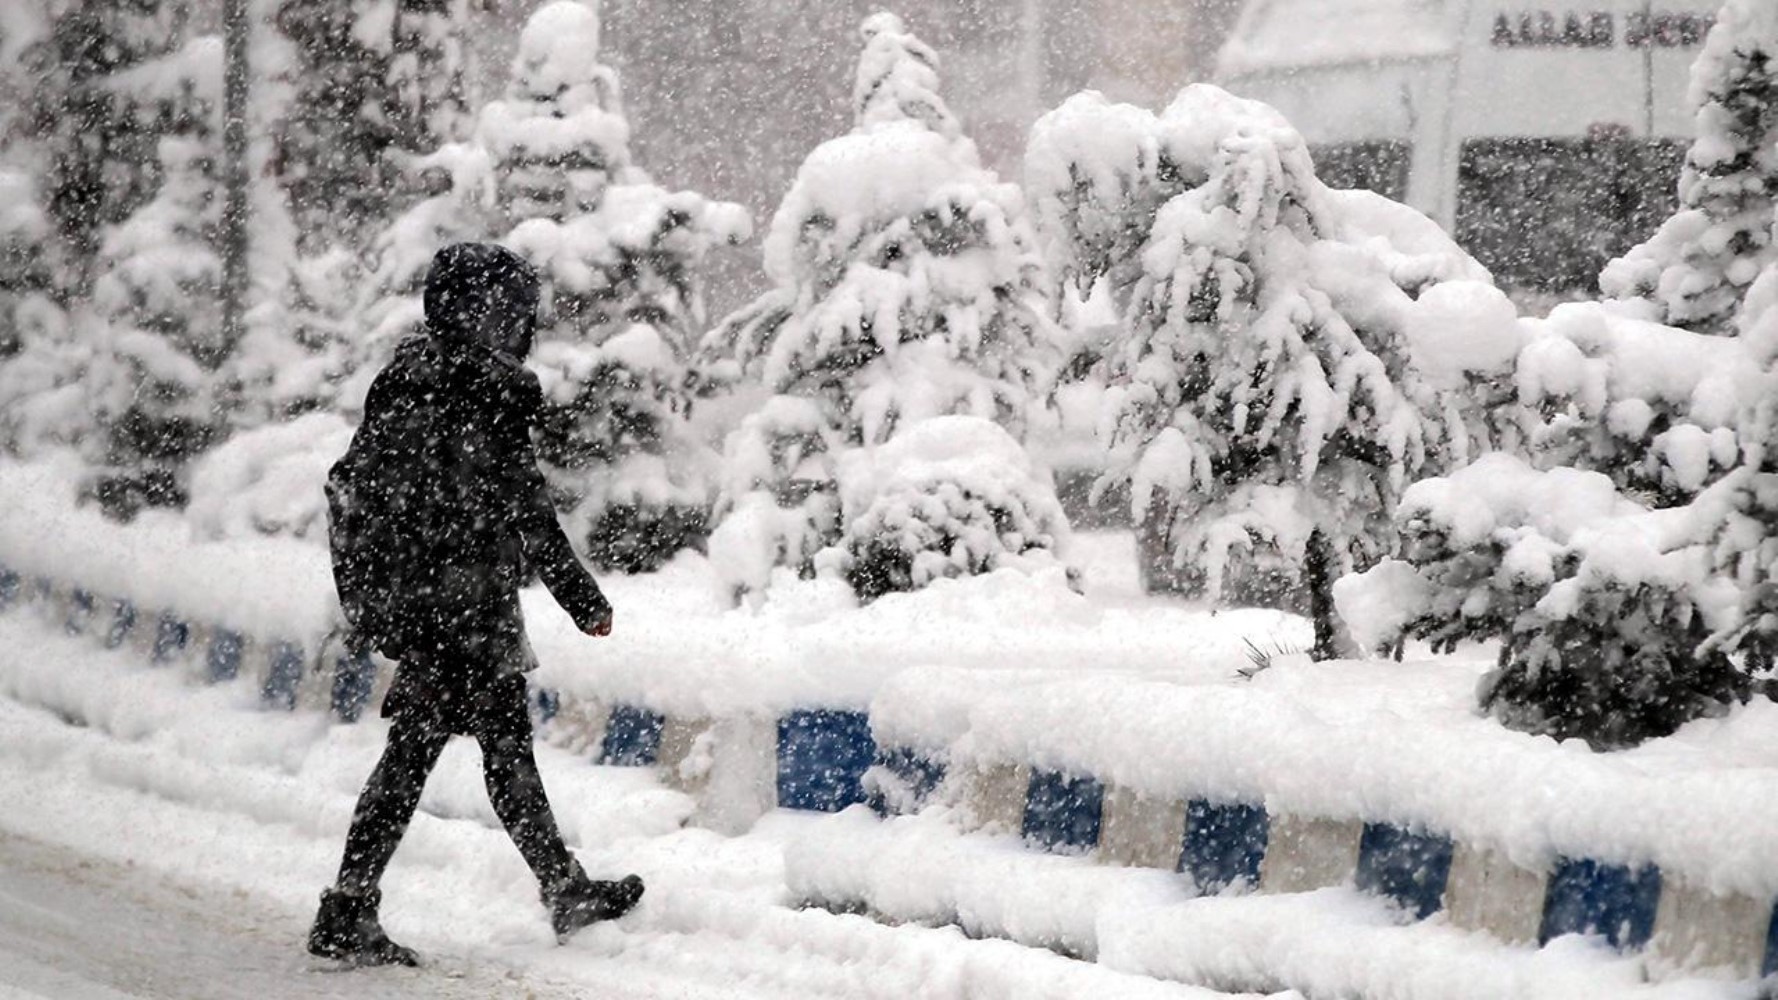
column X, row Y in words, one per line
column 1127, row 447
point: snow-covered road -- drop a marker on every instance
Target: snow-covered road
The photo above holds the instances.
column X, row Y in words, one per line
column 164, row 840
column 80, row 928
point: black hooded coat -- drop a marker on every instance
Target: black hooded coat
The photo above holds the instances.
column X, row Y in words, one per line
column 438, row 506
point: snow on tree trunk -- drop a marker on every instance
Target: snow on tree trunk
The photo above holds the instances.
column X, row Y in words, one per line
column 1284, row 370
column 906, row 287
column 619, row 258
column 1694, row 271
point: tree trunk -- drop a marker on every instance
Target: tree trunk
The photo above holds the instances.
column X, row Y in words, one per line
column 1319, row 569
column 234, row 177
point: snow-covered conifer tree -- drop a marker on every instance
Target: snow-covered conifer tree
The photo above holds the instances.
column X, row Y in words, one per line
column 458, row 183
column 1656, row 408
column 378, row 99
column 1277, row 393
column 1739, row 515
column 1096, row 174
column 330, row 157
column 1694, row 271
column 778, row 502
column 907, row 287
column 100, row 136
column 332, row 162
column 40, row 360
column 151, row 386
column 427, row 98
column 1626, row 572
column 619, row 257
column 24, row 273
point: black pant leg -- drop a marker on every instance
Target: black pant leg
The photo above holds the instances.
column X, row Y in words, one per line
column 515, row 786
column 389, row 799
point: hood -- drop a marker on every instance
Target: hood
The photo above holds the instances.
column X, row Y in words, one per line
column 483, row 295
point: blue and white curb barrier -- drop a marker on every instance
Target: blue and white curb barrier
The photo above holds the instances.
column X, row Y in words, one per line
column 823, row 759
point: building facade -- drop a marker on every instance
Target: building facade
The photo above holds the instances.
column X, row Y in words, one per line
column 1546, row 138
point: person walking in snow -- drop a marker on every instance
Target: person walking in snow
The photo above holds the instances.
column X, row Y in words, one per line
column 436, row 514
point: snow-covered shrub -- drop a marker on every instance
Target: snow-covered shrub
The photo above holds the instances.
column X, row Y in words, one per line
column 1694, row 271
column 1278, row 390
column 619, row 258
column 1602, row 607
column 1654, row 407
column 268, row 481
column 906, row 286
column 946, row 497
column 779, row 504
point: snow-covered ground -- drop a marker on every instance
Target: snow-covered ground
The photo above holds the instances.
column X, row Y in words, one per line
column 167, row 840
column 158, row 840
column 199, row 793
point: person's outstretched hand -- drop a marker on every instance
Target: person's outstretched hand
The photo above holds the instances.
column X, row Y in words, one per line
column 602, row 629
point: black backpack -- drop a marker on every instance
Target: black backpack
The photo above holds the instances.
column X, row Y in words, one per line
column 362, row 544
column 382, row 499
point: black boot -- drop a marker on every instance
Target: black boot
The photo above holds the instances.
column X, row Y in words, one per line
column 346, row 928
column 578, row 901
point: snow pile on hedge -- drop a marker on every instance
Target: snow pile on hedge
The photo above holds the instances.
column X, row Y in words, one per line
column 268, row 481
column 1602, row 607
column 1655, row 407
column 680, row 647
column 269, row 588
column 950, row 496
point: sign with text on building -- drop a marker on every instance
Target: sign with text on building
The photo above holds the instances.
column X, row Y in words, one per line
column 1599, row 29
column 1559, row 69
